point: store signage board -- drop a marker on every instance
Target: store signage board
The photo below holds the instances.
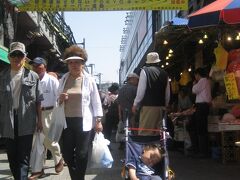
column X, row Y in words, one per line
column 231, row 86
column 101, row 5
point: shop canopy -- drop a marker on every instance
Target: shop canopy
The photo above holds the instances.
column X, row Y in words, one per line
column 220, row 11
column 4, row 54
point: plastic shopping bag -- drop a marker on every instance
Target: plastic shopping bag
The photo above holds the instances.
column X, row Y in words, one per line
column 58, row 123
column 101, row 155
column 120, row 135
column 37, row 153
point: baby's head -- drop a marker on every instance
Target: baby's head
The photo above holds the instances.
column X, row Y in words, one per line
column 152, row 154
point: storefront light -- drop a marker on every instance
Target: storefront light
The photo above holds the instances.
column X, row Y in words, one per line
column 165, row 42
column 169, row 79
column 189, row 69
column 229, row 38
column 181, row 73
column 200, row 41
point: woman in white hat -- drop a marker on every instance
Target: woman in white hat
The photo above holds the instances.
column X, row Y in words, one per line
column 83, row 110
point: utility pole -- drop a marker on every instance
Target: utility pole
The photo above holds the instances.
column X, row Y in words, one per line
column 91, row 66
column 82, row 43
column 99, row 75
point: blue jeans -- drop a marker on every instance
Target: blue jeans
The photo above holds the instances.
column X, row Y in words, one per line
column 75, row 147
column 18, row 152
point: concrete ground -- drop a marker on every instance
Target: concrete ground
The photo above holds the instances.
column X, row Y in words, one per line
column 185, row 168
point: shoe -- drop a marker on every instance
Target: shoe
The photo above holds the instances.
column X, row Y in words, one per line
column 36, row 175
column 59, row 166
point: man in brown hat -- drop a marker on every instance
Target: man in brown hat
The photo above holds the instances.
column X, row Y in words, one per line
column 20, row 110
column 153, row 95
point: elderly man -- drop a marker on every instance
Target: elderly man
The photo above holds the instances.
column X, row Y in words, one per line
column 20, row 110
column 153, row 95
column 126, row 96
column 49, row 86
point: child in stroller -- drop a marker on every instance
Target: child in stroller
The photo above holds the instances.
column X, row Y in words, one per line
column 142, row 159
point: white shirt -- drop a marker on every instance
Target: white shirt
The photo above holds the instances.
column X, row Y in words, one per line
column 49, row 87
column 202, row 89
column 142, row 85
column 91, row 103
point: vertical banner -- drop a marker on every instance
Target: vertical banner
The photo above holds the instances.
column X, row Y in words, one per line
column 102, row 5
column 231, row 86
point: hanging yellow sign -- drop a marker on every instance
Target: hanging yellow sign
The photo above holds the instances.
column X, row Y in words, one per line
column 231, row 86
column 102, row 5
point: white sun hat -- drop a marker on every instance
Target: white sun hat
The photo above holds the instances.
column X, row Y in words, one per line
column 152, row 57
column 73, row 58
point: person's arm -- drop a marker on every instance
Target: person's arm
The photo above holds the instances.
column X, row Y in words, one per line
column 39, row 117
column 167, row 93
column 142, row 85
column 39, row 98
column 132, row 173
column 199, row 86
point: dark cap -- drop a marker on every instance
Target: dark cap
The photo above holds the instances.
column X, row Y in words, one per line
column 113, row 88
column 38, row 60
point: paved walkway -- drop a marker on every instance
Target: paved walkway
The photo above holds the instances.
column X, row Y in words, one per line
column 185, row 168
column 92, row 174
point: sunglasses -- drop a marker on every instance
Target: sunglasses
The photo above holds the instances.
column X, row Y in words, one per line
column 16, row 54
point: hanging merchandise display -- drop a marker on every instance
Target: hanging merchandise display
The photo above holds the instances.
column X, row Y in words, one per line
column 174, row 86
column 221, row 57
column 185, row 78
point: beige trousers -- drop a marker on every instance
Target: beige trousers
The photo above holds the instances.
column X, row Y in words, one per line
column 54, row 147
column 150, row 118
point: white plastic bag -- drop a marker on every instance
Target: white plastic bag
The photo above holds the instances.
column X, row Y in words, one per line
column 37, row 153
column 58, row 123
column 101, row 156
column 120, row 135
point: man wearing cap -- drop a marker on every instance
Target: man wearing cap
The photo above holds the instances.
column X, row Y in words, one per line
column 126, row 96
column 49, row 87
column 153, row 95
column 20, row 110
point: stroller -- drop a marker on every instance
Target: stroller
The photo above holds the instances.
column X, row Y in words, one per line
column 134, row 149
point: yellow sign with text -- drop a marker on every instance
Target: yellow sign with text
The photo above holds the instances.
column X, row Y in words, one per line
column 103, row 5
column 231, row 86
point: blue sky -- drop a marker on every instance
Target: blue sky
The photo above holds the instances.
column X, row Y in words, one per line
column 102, row 32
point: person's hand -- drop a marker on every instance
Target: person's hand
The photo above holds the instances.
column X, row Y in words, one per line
column 98, row 126
column 63, row 97
column 134, row 109
column 39, row 126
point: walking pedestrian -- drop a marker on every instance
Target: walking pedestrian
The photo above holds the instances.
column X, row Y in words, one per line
column 83, row 110
column 153, row 95
column 49, row 86
column 20, row 110
column 111, row 106
column 126, row 96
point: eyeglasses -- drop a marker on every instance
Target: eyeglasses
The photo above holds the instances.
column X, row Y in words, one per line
column 16, row 54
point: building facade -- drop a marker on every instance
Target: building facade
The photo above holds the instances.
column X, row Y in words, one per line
column 45, row 34
column 139, row 35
